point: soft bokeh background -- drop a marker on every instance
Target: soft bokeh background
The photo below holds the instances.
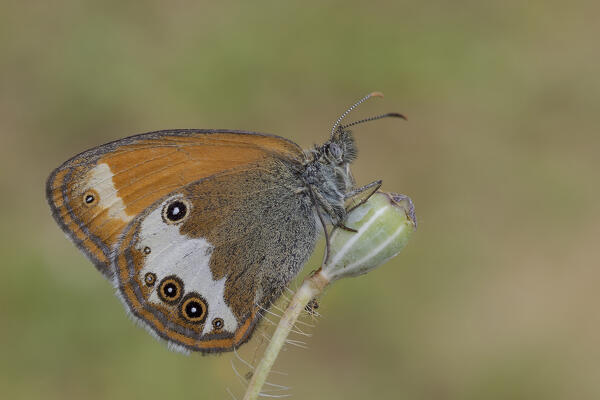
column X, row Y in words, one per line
column 495, row 297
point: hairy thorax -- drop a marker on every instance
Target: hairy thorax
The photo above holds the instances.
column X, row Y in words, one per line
column 327, row 175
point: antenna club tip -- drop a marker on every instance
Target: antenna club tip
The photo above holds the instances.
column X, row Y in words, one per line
column 376, row 94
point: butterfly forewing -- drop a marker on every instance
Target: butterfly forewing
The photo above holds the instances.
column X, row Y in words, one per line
column 96, row 194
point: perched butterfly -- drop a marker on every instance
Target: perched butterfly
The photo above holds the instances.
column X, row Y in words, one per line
column 201, row 230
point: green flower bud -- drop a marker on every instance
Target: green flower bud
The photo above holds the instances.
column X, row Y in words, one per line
column 384, row 224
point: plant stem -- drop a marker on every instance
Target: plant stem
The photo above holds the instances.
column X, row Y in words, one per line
column 312, row 286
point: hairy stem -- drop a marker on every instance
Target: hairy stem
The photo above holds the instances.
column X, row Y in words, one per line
column 313, row 286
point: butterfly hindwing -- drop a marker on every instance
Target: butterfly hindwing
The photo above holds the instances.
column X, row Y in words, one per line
column 96, row 194
column 200, row 264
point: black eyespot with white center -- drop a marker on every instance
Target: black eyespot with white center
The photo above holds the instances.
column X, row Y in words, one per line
column 176, row 211
column 194, row 308
column 218, row 324
column 150, row 279
column 90, row 198
column 170, row 289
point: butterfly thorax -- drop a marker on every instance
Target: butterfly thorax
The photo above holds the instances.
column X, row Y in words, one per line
column 327, row 174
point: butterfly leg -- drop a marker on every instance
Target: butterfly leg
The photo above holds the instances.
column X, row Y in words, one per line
column 313, row 196
column 346, row 228
column 376, row 184
column 335, row 213
column 373, row 187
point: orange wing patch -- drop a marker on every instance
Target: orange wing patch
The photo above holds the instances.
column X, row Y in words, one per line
column 96, row 194
column 150, row 169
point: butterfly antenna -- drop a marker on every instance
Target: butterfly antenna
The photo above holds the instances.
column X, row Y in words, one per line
column 375, row 118
column 367, row 97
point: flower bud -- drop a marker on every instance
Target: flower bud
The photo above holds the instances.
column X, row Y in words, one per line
column 384, row 224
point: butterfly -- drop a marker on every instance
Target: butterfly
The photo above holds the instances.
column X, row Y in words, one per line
column 201, row 230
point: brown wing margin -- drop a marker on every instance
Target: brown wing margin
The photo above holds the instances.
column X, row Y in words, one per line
column 140, row 170
column 57, row 197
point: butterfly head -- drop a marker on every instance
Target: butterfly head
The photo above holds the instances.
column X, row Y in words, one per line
column 329, row 164
column 341, row 149
column 327, row 169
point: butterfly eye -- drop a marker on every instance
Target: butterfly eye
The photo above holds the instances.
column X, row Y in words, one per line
column 175, row 211
column 217, row 323
column 150, row 279
column 335, row 151
column 194, row 308
column 170, row 289
column 90, row 198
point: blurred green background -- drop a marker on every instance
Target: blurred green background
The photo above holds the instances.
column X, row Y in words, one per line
column 495, row 297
